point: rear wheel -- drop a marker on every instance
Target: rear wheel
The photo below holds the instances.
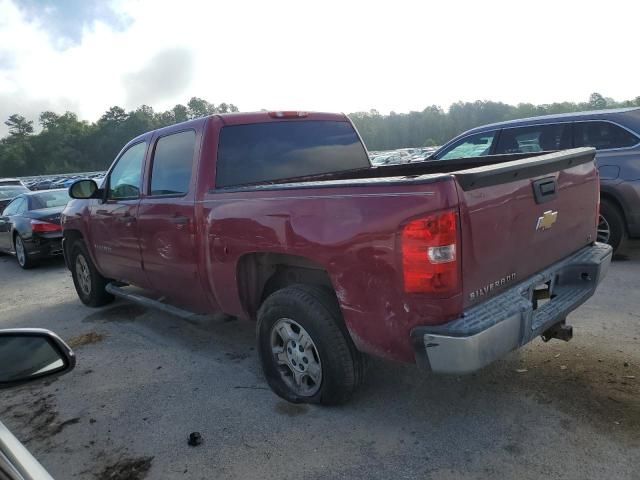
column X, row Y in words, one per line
column 306, row 353
column 611, row 227
column 22, row 255
column 90, row 285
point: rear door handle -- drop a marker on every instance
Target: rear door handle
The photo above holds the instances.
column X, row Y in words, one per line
column 127, row 218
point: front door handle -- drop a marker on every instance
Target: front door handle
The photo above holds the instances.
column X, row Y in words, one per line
column 180, row 220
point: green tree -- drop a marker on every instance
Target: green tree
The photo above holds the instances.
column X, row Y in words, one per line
column 19, row 126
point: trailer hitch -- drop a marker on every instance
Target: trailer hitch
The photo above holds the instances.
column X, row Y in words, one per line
column 560, row 330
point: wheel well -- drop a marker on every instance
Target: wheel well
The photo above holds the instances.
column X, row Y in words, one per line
column 614, row 201
column 70, row 236
column 261, row 274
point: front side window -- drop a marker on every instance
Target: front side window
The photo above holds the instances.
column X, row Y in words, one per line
column 172, row 164
column 477, row 145
column 535, row 138
column 602, row 135
column 125, row 178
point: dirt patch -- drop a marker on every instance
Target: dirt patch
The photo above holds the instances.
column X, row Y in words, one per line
column 291, row 409
column 85, row 339
column 127, row 469
column 126, row 312
column 40, row 418
column 237, row 356
column 600, row 387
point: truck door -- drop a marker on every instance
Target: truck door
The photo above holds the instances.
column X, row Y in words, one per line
column 166, row 223
column 113, row 224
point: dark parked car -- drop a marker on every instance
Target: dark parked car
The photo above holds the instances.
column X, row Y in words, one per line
column 30, row 226
column 9, row 192
column 614, row 133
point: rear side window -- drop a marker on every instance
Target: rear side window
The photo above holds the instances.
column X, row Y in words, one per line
column 264, row 152
column 602, row 135
column 49, row 199
column 536, row 138
column 477, row 145
column 172, row 164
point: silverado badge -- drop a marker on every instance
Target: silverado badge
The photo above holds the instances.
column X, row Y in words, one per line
column 546, row 221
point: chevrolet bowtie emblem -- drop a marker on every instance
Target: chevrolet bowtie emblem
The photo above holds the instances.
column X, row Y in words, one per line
column 546, row 221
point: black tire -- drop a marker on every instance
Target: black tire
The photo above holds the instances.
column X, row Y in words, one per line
column 25, row 261
column 615, row 221
column 316, row 309
column 96, row 295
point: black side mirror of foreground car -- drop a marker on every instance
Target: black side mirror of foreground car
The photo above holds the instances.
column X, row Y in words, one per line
column 30, row 354
column 84, row 189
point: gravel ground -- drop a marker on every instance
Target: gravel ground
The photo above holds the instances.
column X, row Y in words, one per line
column 145, row 380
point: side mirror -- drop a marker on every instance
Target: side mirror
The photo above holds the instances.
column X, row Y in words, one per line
column 84, row 189
column 29, row 354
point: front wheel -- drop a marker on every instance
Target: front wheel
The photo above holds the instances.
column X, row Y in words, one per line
column 90, row 285
column 306, row 353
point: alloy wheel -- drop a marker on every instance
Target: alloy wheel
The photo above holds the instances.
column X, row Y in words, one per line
column 604, row 230
column 83, row 274
column 20, row 253
column 296, row 357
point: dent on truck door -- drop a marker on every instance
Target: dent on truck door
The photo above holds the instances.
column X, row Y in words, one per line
column 114, row 229
column 166, row 222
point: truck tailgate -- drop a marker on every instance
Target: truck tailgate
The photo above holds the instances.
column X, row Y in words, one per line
column 519, row 217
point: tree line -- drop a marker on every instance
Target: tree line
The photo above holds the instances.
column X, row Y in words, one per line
column 66, row 144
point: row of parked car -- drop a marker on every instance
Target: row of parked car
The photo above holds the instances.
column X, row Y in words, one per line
column 401, row 155
column 57, row 181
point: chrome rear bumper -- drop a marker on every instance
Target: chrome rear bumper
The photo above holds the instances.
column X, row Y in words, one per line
column 508, row 321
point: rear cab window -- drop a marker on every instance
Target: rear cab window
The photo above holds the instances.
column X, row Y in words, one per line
column 535, row 138
column 172, row 164
column 267, row 152
column 602, row 135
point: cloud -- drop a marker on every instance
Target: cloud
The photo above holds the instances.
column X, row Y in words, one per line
column 167, row 74
column 65, row 21
column 30, row 108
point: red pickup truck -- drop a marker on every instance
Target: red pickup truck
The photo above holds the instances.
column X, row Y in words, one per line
column 279, row 217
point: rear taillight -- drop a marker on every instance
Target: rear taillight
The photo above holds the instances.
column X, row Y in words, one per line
column 38, row 226
column 429, row 257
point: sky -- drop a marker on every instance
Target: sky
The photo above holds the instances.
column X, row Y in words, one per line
column 88, row 55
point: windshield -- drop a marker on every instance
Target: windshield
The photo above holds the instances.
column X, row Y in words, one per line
column 10, row 192
column 50, row 199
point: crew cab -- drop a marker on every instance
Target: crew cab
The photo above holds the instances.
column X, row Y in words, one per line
column 279, row 217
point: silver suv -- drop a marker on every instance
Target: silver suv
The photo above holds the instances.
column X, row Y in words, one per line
column 614, row 133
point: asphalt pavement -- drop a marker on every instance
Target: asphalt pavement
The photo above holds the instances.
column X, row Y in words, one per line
column 145, row 380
